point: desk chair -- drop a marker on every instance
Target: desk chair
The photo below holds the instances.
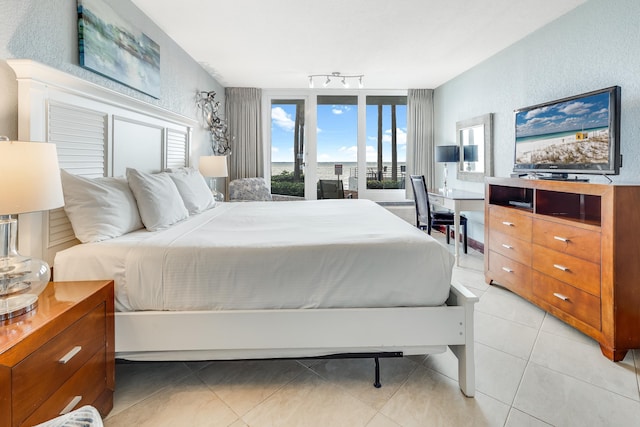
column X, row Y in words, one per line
column 426, row 218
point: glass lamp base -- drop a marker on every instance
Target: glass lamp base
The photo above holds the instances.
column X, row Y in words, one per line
column 17, row 305
column 22, row 278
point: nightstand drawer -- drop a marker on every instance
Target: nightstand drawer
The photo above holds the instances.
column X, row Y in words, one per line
column 573, row 301
column 83, row 388
column 571, row 240
column 46, row 369
column 582, row 274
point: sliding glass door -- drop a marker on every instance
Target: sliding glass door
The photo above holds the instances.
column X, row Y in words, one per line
column 337, row 147
column 337, row 144
column 287, row 169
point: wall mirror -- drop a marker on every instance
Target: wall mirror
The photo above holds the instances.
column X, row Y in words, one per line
column 475, row 139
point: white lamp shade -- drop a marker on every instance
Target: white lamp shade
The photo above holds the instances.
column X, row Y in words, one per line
column 29, row 177
column 213, row 166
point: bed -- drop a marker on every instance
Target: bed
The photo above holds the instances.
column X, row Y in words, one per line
column 337, row 303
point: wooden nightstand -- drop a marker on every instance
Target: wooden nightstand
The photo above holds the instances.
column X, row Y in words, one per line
column 60, row 356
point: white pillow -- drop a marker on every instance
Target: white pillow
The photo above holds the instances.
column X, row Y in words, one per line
column 99, row 208
column 159, row 201
column 193, row 189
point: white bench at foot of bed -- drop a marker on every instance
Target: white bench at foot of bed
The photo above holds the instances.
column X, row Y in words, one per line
column 258, row 334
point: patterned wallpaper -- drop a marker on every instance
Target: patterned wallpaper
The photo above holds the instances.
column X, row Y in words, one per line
column 46, row 31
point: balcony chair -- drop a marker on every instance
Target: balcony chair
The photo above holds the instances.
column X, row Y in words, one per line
column 330, row 189
column 427, row 218
column 249, row 189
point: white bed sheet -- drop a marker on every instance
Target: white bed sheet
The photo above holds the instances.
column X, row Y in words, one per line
column 270, row 255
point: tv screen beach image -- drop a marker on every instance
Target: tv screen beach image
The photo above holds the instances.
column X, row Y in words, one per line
column 572, row 132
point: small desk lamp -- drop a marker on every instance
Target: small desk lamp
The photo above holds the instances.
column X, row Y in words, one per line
column 30, row 179
column 214, row 167
column 447, row 154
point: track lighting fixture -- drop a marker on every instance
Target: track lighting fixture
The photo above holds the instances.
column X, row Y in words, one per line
column 337, row 76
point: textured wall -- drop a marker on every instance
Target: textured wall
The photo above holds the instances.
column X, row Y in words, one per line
column 592, row 47
column 46, row 31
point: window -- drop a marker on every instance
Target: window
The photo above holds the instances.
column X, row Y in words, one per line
column 386, row 142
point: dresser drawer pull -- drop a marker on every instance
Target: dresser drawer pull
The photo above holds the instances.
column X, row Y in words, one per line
column 508, row 224
column 75, row 350
column 504, row 245
column 71, row 405
column 562, row 239
column 561, row 267
column 562, row 297
column 507, row 269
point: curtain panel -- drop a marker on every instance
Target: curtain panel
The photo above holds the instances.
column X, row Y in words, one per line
column 420, row 141
column 243, row 112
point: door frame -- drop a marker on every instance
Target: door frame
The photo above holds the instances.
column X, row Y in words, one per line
column 311, row 142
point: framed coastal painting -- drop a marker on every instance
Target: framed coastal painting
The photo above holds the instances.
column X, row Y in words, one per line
column 110, row 46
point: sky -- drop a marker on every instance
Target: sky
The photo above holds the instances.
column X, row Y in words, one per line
column 583, row 113
column 337, row 133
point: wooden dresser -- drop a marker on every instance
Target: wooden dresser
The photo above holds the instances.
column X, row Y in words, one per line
column 59, row 356
column 572, row 249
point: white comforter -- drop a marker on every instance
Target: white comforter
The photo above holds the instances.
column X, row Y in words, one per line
column 270, row 255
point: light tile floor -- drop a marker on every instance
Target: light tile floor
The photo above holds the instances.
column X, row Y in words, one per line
column 531, row 370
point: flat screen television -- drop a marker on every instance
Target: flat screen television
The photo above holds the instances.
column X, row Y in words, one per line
column 579, row 134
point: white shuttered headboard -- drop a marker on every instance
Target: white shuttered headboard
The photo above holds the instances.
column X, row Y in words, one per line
column 98, row 132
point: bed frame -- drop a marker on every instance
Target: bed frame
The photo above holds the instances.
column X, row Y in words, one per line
column 50, row 100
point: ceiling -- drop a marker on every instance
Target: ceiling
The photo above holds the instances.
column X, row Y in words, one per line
column 395, row 44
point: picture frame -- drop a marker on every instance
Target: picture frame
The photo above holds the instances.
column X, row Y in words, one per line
column 112, row 47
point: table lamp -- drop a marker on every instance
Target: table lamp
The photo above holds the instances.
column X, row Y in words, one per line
column 447, row 154
column 214, row 167
column 30, row 179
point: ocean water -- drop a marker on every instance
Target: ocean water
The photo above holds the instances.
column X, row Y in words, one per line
column 557, row 134
column 326, row 170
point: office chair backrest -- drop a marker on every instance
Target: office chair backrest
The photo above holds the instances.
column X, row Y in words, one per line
column 423, row 209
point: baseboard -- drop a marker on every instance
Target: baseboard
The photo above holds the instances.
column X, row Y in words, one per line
column 471, row 243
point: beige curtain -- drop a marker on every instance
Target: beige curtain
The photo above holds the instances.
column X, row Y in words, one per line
column 244, row 119
column 420, row 157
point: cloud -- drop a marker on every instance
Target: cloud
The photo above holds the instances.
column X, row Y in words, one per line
column 533, row 113
column 575, row 108
column 340, row 109
column 401, row 136
column 282, row 119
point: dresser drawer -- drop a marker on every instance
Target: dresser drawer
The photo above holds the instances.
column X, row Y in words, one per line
column 511, row 247
column 571, row 240
column 571, row 300
column 511, row 222
column 83, row 388
column 582, row 274
column 510, row 273
column 45, row 370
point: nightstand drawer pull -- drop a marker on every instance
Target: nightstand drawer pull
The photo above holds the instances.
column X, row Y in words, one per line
column 504, row 245
column 508, row 224
column 75, row 350
column 561, row 267
column 562, row 297
column 562, row 239
column 507, row 269
column 71, row 405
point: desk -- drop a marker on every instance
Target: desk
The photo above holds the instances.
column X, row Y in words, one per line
column 457, row 201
